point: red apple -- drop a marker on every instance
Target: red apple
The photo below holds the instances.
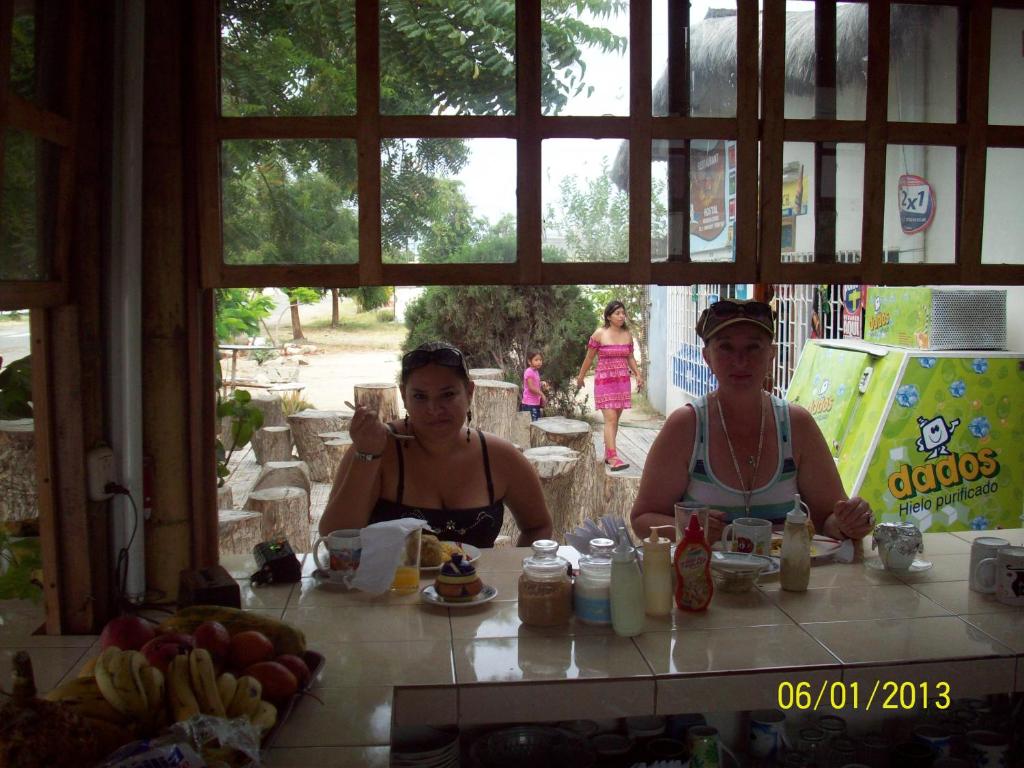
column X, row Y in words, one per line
column 249, row 647
column 161, row 649
column 214, row 637
column 129, row 633
column 296, row 666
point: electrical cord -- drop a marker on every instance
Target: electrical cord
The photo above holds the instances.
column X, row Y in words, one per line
column 121, row 568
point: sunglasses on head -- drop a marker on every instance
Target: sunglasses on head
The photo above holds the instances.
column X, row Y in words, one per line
column 449, row 357
column 726, row 309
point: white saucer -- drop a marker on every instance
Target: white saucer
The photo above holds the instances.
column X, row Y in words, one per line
column 323, row 580
column 429, row 595
column 917, row 566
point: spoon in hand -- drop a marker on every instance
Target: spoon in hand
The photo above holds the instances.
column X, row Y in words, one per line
column 394, row 434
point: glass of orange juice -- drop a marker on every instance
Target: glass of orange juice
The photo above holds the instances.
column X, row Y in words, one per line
column 407, row 575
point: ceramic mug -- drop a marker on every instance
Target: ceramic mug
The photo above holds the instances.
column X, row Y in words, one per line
column 706, row 747
column 897, row 544
column 982, row 548
column 343, row 551
column 1005, row 573
column 767, row 734
column 988, row 748
column 748, row 534
column 935, row 737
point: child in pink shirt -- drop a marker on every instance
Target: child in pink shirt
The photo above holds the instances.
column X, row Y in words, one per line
column 533, row 395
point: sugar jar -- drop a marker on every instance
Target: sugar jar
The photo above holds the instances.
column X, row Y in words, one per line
column 545, row 589
column 592, row 594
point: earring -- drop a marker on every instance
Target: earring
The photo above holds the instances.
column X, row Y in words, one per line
column 469, row 418
column 407, row 424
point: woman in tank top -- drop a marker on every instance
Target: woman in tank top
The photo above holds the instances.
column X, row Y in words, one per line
column 456, row 478
column 740, row 450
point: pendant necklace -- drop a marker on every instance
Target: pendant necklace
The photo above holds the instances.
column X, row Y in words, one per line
column 753, row 461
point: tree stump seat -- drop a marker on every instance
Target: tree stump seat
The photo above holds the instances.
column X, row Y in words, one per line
column 573, row 434
column 238, row 531
column 277, row 474
column 557, row 467
column 495, row 374
column 381, row 397
column 272, row 444
column 494, row 407
column 307, row 426
column 284, row 513
column 17, row 470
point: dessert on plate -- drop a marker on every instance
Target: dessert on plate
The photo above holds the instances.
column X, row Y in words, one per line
column 458, row 580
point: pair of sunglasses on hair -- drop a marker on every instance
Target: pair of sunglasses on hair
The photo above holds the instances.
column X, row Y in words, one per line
column 449, row 357
column 725, row 310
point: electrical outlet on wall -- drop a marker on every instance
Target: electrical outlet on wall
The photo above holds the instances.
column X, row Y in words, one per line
column 100, row 472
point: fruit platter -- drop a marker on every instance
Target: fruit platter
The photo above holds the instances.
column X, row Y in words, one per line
column 203, row 660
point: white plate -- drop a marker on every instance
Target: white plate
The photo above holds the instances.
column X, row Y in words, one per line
column 429, row 595
column 472, row 552
column 915, row 567
column 740, row 562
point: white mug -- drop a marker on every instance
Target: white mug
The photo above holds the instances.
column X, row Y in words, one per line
column 768, row 734
column 749, row 534
column 935, row 737
column 344, row 550
column 1005, row 574
column 981, row 548
column 988, row 748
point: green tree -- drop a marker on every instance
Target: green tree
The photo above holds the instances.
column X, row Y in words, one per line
column 239, row 312
column 497, row 326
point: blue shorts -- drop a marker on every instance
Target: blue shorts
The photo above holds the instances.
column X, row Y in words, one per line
column 533, row 409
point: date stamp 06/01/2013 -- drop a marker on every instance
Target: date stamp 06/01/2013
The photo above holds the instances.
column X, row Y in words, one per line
column 882, row 694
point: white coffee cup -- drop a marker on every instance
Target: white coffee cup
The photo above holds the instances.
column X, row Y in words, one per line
column 748, row 534
column 982, row 548
column 988, row 747
column 344, row 549
column 1005, row 574
column 768, row 734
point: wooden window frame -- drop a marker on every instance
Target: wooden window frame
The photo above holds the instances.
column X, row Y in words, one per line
column 759, row 177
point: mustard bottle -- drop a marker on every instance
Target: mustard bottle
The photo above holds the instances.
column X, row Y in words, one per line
column 657, row 574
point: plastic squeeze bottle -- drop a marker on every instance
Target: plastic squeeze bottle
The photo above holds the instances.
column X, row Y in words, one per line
column 657, row 574
column 693, row 569
column 627, row 592
column 796, row 549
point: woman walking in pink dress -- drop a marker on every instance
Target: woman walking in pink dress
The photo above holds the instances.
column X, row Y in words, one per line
column 613, row 345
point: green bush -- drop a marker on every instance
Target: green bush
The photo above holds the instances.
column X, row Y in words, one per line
column 385, row 315
column 497, row 326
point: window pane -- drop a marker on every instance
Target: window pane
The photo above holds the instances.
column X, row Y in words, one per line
column 822, row 201
column 1004, row 226
column 1006, row 75
column 920, row 204
column 585, row 202
column 585, row 57
column 826, row 78
column 289, row 202
column 923, row 49
column 287, row 58
column 434, row 60
column 39, row 52
column 26, row 206
column 448, row 201
column 712, row 62
column 708, row 218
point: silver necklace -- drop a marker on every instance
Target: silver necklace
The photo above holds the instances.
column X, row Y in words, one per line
column 755, row 462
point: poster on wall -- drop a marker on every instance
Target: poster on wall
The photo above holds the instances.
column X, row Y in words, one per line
column 853, row 311
column 708, row 204
column 917, row 204
column 793, row 189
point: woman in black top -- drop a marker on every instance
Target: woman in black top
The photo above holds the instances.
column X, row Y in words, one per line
column 456, row 478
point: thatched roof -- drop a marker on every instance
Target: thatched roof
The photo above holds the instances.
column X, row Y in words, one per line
column 713, row 63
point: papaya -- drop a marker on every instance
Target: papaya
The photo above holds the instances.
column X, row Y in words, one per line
column 285, row 637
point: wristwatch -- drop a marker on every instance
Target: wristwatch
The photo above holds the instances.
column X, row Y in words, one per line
column 363, row 456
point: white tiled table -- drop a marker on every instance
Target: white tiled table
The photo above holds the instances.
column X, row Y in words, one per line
column 394, row 661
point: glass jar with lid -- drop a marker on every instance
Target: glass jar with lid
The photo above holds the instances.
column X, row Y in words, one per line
column 545, row 589
column 592, row 593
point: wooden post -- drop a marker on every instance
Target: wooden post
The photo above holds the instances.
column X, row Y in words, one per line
column 557, row 467
column 17, row 470
column 306, row 429
column 272, row 444
column 238, row 531
column 494, row 406
column 486, row 373
column 275, row 474
column 284, row 512
column 382, row 398
column 574, row 434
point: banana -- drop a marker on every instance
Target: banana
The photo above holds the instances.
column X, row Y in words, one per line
column 128, row 680
column 84, row 697
column 227, row 684
column 180, row 698
column 247, row 697
column 153, row 685
column 264, row 717
column 89, row 668
column 204, row 682
column 107, row 665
